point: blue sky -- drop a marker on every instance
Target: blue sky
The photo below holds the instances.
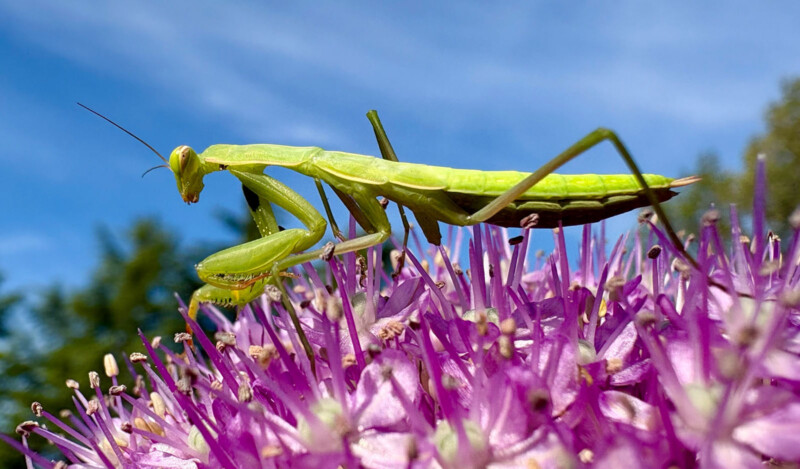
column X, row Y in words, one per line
column 463, row 84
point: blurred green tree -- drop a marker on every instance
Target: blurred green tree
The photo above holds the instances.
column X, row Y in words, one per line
column 131, row 288
column 781, row 145
column 716, row 187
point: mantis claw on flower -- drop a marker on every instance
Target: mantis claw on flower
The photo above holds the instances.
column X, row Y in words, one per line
column 239, row 274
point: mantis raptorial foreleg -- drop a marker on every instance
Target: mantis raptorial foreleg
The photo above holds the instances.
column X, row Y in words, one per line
column 261, row 211
column 237, row 267
column 238, row 274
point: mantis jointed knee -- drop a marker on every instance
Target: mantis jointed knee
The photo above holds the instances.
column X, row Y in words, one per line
column 461, row 197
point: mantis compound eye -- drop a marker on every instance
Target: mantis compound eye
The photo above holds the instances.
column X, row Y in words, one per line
column 184, row 157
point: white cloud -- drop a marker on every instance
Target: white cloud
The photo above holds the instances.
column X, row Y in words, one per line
column 22, row 243
column 233, row 60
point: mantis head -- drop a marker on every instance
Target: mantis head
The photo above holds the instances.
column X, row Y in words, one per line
column 188, row 170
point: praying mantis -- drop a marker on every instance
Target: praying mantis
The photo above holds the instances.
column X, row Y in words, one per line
column 541, row 199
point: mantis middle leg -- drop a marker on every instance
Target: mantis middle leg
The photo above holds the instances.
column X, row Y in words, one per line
column 351, row 205
column 387, row 152
column 378, row 232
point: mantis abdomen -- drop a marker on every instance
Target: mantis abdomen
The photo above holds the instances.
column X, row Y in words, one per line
column 571, row 199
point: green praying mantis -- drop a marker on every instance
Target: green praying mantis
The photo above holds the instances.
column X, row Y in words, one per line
column 541, row 199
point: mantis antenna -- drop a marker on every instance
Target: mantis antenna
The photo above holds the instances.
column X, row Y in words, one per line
column 166, row 163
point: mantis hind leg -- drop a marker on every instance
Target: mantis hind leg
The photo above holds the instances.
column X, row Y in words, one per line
column 593, row 138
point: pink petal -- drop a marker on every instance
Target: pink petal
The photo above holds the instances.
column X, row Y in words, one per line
column 623, row 408
column 776, row 435
column 375, row 397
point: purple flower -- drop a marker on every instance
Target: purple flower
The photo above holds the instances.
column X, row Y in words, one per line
column 630, row 357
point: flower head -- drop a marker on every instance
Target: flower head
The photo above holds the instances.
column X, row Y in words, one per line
column 627, row 357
